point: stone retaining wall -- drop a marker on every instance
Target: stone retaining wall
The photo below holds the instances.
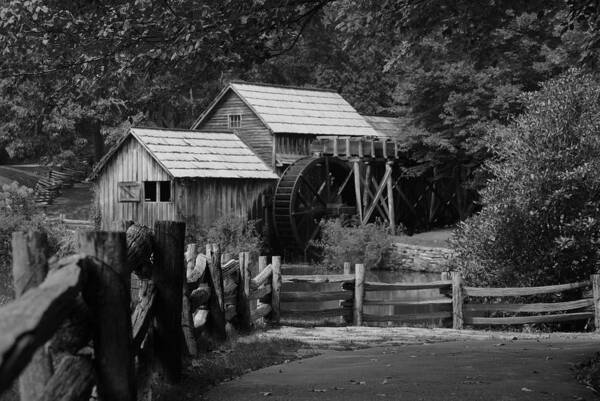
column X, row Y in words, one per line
column 419, row 258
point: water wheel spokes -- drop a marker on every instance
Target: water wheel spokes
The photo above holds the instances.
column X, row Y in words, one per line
column 310, row 190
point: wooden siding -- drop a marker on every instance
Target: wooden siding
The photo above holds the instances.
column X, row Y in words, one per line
column 293, row 143
column 196, row 201
column 253, row 132
column 201, row 201
column 131, row 163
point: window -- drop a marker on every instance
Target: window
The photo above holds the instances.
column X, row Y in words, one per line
column 157, row 191
column 165, row 191
column 235, row 120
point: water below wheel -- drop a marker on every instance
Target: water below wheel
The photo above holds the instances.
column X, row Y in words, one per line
column 311, row 189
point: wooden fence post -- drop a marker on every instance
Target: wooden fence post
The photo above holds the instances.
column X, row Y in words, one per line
column 254, row 270
column 167, row 274
column 108, row 294
column 29, row 264
column 596, row 296
column 275, row 288
column 216, row 315
column 390, row 193
column 359, row 293
column 457, row 301
column 347, row 268
column 243, row 302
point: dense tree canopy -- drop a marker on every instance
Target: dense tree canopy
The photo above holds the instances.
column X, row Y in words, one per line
column 75, row 72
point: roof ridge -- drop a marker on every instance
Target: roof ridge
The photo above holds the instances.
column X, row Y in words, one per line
column 185, row 129
column 307, row 88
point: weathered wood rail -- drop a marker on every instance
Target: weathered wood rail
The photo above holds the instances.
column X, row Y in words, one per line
column 224, row 292
column 72, row 329
column 311, row 296
column 81, row 311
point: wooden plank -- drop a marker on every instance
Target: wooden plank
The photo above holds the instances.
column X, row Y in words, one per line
column 315, row 315
column 407, row 317
column 530, row 308
column 142, row 315
column 276, row 287
column 378, row 194
column 260, row 292
column 216, row 306
column 168, row 278
column 30, row 266
column 261, row 311
column 29, row 321
column 108, row 294
column 390, row 193
column 243, row 300
column 595, row 279
column 359, row 294
column 308, row 308
column 347, row 268
column 318, row 278
column 457, row 300
column 397, row 302
column 301, row 296
column 72, row 381
column 553, row 318
column 522, row 291
column 263, row 277
column 374, row 286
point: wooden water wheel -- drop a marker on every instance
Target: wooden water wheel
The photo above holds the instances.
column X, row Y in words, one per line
column 311, row 189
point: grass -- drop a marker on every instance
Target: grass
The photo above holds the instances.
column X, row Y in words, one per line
column 229, row 361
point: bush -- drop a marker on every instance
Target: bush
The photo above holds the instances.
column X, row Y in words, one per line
column 348, row 241
column 18, row 212
column 540, row 221
column 233, row 233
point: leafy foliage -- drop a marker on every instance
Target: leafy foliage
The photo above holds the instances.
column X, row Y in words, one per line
column 71, row 68
column 233, row 233
column 540, row 222
column 348, row 241
column 18, row 212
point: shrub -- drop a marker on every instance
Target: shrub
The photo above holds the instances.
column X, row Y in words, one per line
column 348, row 241
column 233, row 233
column 540, row 221
column 18, row 212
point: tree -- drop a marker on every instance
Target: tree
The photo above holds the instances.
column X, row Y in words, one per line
column 540, row 222
column 91, row 65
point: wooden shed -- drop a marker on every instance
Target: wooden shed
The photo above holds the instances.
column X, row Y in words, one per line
column 164, row 174
column 279, row 123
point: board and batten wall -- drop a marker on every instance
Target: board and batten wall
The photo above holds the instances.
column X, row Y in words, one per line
column 253, row 132
column 196, row 201
column 131, row 163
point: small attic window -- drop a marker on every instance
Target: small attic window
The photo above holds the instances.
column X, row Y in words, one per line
column 234, row 121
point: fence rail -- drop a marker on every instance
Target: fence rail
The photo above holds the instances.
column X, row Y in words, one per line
column 352, row 298
column 84, row 303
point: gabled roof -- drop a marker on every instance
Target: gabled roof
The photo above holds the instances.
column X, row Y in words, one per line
column 195, row 154
column 398, row 128
column 298, row 110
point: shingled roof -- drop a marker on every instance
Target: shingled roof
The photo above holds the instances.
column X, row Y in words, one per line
column 195, row 154
column 298, row 110
column 398, row 128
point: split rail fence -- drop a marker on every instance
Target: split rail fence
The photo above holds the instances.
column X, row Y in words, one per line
column 74, row 329
column 310, row 296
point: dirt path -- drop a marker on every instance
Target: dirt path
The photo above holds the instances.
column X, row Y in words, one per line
column 471, row 366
